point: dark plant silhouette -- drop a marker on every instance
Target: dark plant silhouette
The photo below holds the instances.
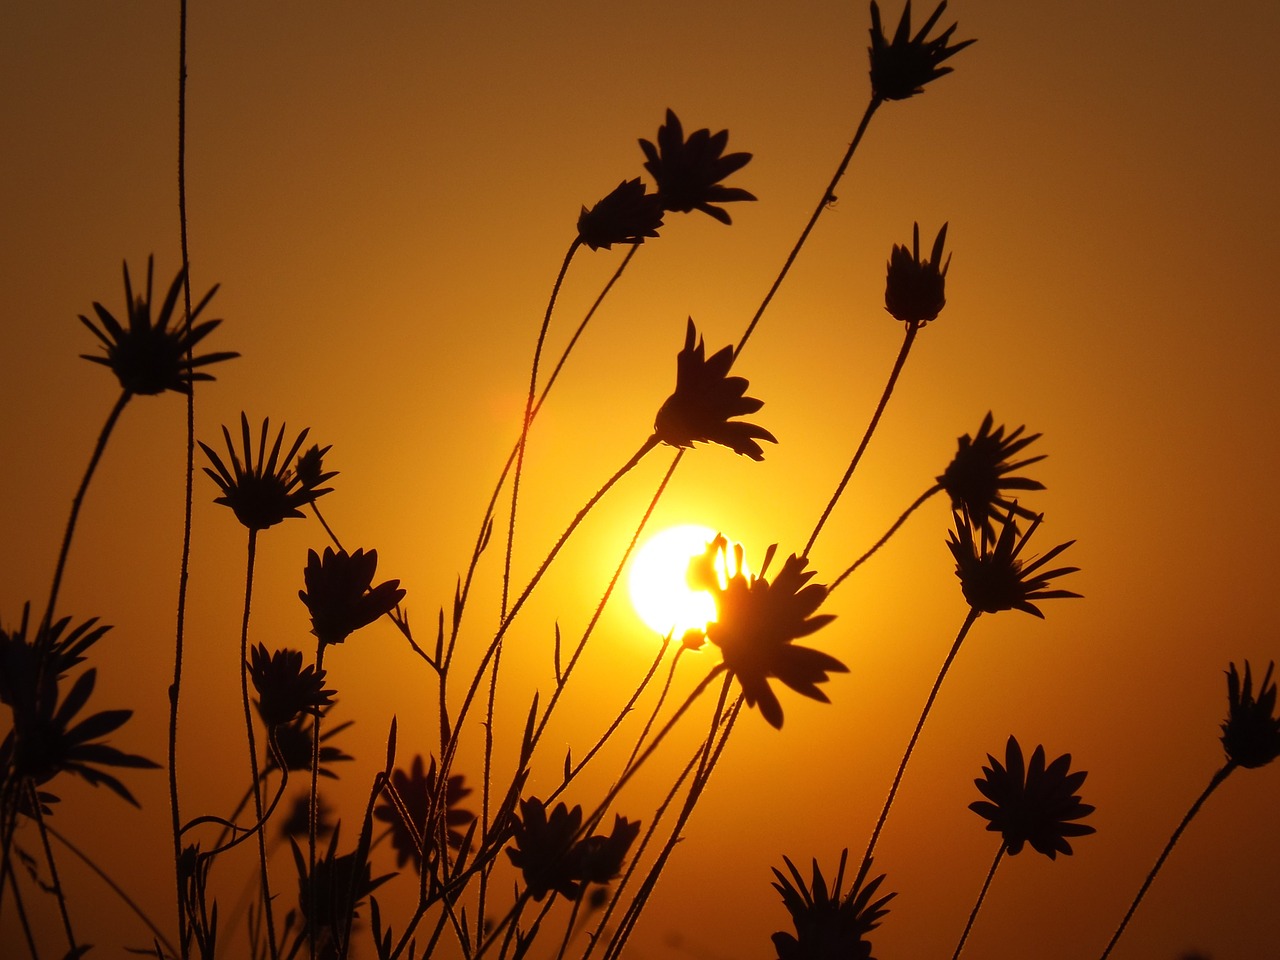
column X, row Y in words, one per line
column 294, row 741
column 915, row 290
column 688, row 171
column 286, row 689
column 331, row 895
column 901, row 67
column 706, row 400
column 628, row 214
column 553, row 857
column 419, row 798
column 340, row 594
column 995, row 578
column 829, row 924
column 979, row 474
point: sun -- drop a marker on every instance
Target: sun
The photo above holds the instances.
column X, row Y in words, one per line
column 659, row 584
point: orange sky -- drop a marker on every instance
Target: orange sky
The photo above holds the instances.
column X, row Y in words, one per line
column 385, row 191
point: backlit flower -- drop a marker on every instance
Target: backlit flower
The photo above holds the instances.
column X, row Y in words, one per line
column 1033, row 804
column 146, row 355
column 915, row 289
column 262, row 491
column 542, row 849
column 600, row 857
column 340, row 595
column 285, row 687
column 294, row 741
column 756, row 622
column 628, row 214
column 1251, row 732
column 995, row 578
column 830, row 925
column 419, row 792
column 978, row 474
column 901, row 67
column 31, row 668
column 688, row 172
column 706, row 399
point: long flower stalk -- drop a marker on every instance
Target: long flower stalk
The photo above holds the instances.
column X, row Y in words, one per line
column 982, row 895
column 915, row 505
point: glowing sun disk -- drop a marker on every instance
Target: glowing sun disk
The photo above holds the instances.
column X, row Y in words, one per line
column 659, row 584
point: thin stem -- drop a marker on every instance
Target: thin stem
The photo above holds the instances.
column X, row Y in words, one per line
column 915, row 735
column 528, row 417
column 103, row 436
column 54, row 880
column 1214, row 783
column 23, row 921
column 888, row 534
column 982, row 895
column 313, row 806
column 828, row 197
column 912, row 329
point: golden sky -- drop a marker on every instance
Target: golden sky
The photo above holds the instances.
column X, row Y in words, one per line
column 385, row 191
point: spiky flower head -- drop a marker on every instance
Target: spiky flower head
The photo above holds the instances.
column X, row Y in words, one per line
column 915, row 289
column 995, row 577
column 979, row 473
column 1035, row 803
column 1251, row 732
column 629, row 214
column 830, row 924
column 286, row 689
column 148, row 356
column 688, row 172
column 340, row 594
column 901, row 67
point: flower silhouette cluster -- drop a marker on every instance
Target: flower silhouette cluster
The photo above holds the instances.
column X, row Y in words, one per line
column 1251, row 732
column 340, row 594
column 688, row 172
column 148, row 356
column 756, row 622
column 706, row 400
column 265, row 490
column 995, row 578
column 1035, row 804
column 829, row 925
column 978, row 475
column 915, row 289
column 629, row 214
column 419, row 792
column 901, row 67
column 551, row 860
column 286, row 689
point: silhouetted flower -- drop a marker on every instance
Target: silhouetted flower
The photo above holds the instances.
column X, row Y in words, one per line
column 688, row 172
column 1251, row 732
column 330, row 900
column 993, row 578
column 979, row 473
column 294, row 740
column 44, row 741
column 30, row 669
column 1032, row 804
column 285, row 686
column 705, row 400
column 900, row 68
column 915, row 289
column 263, row 491
column 755, row 623
column 418, row 792
column 340, row 594
column 600, row 857
column 543, row 846
column 147, row 356
column 309, row 468
column 298, row 822
column 628, row 214
column 830, row 925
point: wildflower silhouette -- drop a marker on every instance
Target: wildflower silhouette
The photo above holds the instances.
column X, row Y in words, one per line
column 30, row 669
column 688, row 171
column 829, row 924
column 286, row 689
column 756, row 622
column 1250, row 739
column 706, row 400
column 330, row 897
column 978, row 474
column 995, row 578
column 294, row 741
column 264, row 490
column 418, row 790
column 542, row 849
column 600, row 857
column 915, row 290
column 903, row 66
column 629, row 214
column 148, row 356
column 340, row 594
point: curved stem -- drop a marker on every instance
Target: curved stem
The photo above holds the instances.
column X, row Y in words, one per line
column 911, row 744
column 982, row 895
column 885, row 539
column 828, row 196
column 912, row 329
column 103, row 436
column 1214, row 783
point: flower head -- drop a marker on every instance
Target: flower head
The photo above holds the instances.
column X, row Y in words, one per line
column 600, row 857
column 31, row 668
column 688, row 172
column 264, row 491
column 628, row 214
column 994, row 578
column 419, row 791
column 706, row 399
column 901, row 67
column 979, row 473
column 756, row 622
column 915, row 289
column 293, row 739
column 1251, row 732
column 542, row 849
column 830, row 925
column 147, row 356
column 287, row 689
column 340, row 595
column 1032, row 804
